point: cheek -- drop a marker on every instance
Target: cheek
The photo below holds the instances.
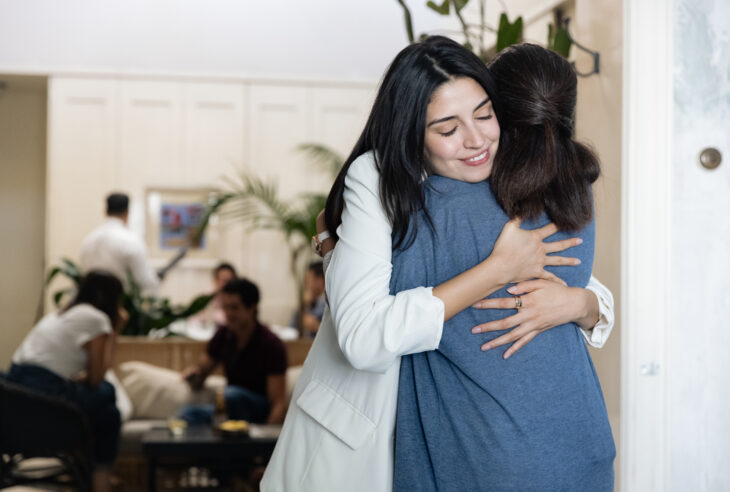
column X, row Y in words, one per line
column 440, row 148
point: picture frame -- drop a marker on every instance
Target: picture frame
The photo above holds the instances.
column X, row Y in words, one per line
column 172, row 215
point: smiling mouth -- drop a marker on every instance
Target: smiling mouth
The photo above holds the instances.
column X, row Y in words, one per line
column 477, row 159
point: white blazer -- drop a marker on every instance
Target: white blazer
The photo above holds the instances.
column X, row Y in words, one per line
column 338, row 432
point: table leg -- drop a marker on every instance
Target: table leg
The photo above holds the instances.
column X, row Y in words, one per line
column 151, row 474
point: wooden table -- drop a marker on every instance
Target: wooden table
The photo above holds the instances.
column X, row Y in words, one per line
column 202, row 446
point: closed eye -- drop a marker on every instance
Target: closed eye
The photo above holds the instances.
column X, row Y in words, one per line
column 449, row 133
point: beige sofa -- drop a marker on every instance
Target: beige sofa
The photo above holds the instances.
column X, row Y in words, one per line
column 150, row 390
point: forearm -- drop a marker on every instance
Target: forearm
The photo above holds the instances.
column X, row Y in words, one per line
column 469, row 287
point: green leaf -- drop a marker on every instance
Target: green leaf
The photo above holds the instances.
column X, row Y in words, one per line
column 57, row 296
column 559, row 41
column 508, row 33
column 197, row 305
column 442, row 9
column 460, row 4
column 329, row 160
column 54, row 271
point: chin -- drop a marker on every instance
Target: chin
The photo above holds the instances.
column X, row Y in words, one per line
column 475, row 176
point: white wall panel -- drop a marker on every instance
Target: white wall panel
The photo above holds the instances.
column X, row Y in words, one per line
column 151, row 152
column 214, row 131
column 82, row 131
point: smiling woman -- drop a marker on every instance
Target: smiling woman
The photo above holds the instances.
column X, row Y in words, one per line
column 462, row 133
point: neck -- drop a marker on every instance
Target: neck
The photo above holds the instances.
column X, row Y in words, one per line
column 243, row 334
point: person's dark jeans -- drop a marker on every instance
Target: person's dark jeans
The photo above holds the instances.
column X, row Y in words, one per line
column 244, row 404
column 98, row 404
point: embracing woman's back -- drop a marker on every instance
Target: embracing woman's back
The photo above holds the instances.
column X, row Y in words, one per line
column 471, row 417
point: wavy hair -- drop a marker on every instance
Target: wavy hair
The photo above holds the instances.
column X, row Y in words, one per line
column 539, row 166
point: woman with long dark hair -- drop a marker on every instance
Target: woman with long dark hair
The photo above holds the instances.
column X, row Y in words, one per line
column 473, row 421
column 66, row 355
column 339, row 429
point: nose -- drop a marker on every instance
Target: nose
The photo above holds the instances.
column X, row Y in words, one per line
column 473, row 138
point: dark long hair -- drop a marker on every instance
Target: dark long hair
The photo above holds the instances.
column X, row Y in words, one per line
column 396, row 127
column 102, row 290
column 539, row 166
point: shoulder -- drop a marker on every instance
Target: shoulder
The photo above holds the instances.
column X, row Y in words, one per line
column 270, row 340
column 88, row 317
column 364, row 170
column 440, row 189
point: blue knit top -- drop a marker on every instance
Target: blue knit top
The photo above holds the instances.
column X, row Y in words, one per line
column 470, row 420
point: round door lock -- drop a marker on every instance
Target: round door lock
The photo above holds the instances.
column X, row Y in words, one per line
column 710, row 158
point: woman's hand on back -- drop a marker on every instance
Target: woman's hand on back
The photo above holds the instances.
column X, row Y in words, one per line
column 545, row 304
column 523, row 255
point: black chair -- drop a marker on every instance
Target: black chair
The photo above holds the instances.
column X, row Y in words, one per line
column 33, row 425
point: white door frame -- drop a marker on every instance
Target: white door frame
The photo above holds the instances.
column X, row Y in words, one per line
column 646, row 206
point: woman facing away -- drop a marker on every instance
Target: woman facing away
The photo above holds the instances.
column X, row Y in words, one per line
column 473, row 421
column 66, row 355
column 339, row 429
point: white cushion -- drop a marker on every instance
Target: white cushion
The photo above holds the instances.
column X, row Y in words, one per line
column 124, row 404
column 159, row 393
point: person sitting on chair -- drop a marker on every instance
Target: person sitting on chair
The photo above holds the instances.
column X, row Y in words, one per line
column 253, row 359
column 66, row 355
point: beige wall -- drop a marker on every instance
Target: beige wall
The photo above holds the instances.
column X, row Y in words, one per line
column 598, row 25
column 22, row 201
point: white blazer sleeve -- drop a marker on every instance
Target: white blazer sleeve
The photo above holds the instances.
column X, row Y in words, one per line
column 598, row 335
column 373, row 327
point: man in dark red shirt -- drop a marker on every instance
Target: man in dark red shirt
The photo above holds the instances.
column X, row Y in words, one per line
column 253, row 358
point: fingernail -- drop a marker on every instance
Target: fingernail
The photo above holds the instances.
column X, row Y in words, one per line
column 475, row 330
column 579, row 241
column 576, row 262
column 512, row 289
column 506, row 356
column 485, row 347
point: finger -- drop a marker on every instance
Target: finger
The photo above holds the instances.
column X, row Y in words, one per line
column 510, row 337
column 544, row 274
column 525, row 287
column 562, row 245
column 561, row 261
column 499, row 324
column 519, row 344
column 547, row 231
column 495, row 303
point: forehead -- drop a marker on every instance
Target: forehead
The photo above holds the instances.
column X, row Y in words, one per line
column 456, row 95
column 229, row 298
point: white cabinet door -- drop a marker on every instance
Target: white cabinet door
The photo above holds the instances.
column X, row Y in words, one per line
column 82, row 146
column 339, row 115
column 151, row 150
column 214, row 131
column 278, row 121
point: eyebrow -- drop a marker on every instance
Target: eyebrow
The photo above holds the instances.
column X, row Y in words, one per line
column 447, row 118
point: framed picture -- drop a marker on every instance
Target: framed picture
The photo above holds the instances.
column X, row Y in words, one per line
column 173, row 217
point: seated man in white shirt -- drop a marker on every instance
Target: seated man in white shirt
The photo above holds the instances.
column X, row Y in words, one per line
column 116, row 249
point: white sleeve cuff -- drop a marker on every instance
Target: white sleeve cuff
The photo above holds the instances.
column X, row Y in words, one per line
column 597, row 336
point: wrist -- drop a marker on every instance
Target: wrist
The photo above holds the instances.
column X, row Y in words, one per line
column 589, row 314
column 495, row 269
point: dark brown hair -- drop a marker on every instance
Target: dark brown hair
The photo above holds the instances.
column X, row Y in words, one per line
column 539, row 166
column 102, row 290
